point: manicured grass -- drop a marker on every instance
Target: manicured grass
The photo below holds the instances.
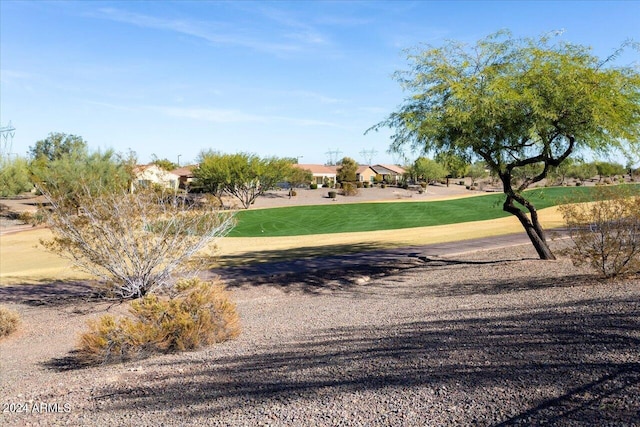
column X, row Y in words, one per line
column 343, row 218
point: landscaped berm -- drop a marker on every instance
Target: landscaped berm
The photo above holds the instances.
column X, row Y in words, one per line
column 395, row 335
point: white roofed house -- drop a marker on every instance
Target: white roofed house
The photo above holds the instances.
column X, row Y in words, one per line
column 147, row 175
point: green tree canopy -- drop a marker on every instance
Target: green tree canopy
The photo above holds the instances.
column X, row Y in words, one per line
column 72, row 173
column 515, row 103
column 429, row 170
column 477, row 171
column 347, row 170
column 165, row 164
column 57, row 145
column 14, row 176
column 297, row 176
column 582, row 170
column 609, row 169
column 243, row 176
column 455, row 164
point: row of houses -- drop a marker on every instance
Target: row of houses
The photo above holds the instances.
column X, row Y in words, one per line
column 323, row 175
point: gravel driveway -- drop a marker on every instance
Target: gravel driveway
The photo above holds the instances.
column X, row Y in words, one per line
column 486, row 338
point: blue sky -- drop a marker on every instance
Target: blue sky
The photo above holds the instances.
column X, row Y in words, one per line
column 281, row 78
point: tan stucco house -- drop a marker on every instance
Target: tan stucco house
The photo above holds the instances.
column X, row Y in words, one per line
column 145, row 175
column 365, row 174
column 322, row 175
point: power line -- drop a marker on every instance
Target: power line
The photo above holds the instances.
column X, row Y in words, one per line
column 333, row 156
column 368, row 155
column 6, row 144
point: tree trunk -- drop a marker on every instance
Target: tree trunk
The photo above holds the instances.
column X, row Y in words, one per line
column 531, row 226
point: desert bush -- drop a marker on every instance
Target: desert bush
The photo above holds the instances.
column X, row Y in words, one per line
column 606, row 231
column 314, row 186
column 359, row 184
column 14, row 176
column 197, row 315
column 134, row 242
column 349, row 189
column 332, row 194
column 9, row 321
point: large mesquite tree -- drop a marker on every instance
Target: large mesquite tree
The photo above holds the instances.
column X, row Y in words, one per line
column 516, row 104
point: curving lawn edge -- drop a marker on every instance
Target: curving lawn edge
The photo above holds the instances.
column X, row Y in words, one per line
column 23, row 261
column 367, row 217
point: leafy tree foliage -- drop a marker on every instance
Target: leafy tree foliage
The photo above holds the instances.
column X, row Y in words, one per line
column 70, row 174
column 477, row 171
column 515, row 103
column 609, row 169
column 165, row 164
column 243, row 176
column 347, row 170
column 582, row 170
column 455, row 165
column 58, row 145
column 14, row 176
column 298, row 176
column 429, row 170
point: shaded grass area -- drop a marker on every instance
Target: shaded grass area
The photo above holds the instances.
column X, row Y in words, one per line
column 354, row 217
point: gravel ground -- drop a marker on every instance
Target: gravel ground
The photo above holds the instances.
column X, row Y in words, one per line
column 486, row 338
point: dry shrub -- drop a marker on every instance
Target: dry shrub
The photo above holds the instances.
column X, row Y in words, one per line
column 133, row 242
column 606, row 231
column 9, row 321
column 349, row 189
column 198, row 315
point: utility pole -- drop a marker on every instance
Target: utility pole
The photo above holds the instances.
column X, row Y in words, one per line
column 368, row 155
column 333, row 156
column 6, row 144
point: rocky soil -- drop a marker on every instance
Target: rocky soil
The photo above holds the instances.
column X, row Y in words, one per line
column 485, row 338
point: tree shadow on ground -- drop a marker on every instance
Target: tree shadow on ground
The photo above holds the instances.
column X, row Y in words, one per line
column 354, row 270
column 573, row 364
column 50, row 293
column 72, row 362
column 257, row 261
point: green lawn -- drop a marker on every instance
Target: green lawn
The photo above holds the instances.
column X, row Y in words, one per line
column 350, row 217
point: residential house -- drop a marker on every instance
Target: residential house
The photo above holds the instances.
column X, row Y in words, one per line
column 185, row 174
column 365, row 174
column 322, row 175
column 146, row 175
column 390, row 173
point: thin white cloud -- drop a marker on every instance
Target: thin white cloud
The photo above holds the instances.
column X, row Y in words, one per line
column 219, row 33
column 298, row 29
column 215, row 115
column 212, row 115
column 323, row 99
column 19, row 79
